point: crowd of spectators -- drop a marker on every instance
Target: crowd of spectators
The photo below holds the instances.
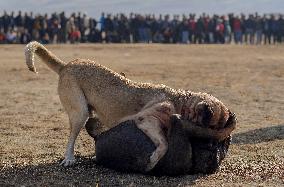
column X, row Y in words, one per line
column 137, row 28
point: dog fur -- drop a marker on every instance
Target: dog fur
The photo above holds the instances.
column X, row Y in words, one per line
column 85, row 86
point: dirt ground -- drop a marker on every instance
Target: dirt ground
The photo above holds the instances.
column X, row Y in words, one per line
column 248, row 79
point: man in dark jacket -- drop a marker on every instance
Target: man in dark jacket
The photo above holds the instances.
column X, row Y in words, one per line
column 274, row 28
column 199, row 37
column 258, row 29
column 19, row 21
column 267, row 29
column 281, row 29
column 250, row 29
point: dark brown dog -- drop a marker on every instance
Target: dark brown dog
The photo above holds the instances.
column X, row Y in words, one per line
column 126, row 148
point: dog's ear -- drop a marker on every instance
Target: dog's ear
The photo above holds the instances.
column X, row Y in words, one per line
column 232, row 119
column 207, row 114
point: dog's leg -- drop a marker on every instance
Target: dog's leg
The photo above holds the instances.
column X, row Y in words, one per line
column 151, row 120
column 77, row 121
column 152, row 128
column 74, row 102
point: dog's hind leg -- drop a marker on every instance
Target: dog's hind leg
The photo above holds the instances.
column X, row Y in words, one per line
column 75, row 104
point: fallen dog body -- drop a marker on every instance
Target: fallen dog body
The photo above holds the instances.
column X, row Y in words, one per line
column 126, row 148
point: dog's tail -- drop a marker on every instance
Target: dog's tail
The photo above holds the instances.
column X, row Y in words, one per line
column 50, row 59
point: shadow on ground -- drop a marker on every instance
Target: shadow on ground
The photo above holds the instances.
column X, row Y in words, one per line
column 260, row 135
column 85, row 173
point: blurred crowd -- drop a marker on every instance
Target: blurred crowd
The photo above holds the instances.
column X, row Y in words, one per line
column 137, row 28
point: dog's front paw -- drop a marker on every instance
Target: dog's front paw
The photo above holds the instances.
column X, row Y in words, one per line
column 149, row 167
column 153, row 161
column 68, row 162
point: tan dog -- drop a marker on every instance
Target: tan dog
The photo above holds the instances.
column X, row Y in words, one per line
column 84, row 84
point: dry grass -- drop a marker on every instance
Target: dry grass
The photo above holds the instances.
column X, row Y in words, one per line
column 248, row 79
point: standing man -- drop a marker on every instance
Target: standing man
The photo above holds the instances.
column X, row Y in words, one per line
column 258, row 29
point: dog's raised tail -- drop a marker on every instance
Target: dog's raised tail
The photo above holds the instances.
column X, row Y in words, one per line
column 50, row 59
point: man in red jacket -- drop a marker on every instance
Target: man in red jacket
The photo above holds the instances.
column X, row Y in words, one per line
column 237, row 28
column 220, row 31
column 191, row 27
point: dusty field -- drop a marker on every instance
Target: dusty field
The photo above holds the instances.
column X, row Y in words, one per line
column 248, row 79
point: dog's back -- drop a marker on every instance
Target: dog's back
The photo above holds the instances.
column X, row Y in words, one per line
column 112, row 95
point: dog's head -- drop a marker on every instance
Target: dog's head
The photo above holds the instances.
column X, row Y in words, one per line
column 207, row 111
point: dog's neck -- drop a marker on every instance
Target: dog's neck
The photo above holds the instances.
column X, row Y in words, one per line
column 180, row 101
